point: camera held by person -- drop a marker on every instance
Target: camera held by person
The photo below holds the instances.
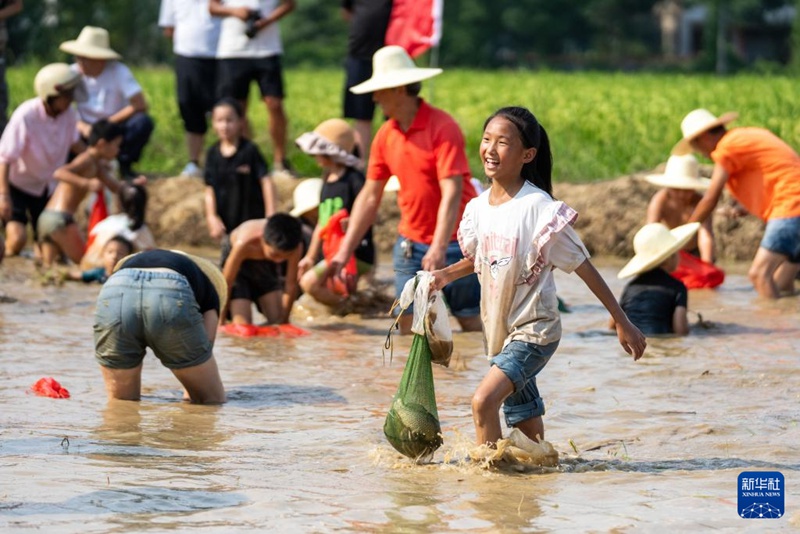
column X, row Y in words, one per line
column 250, row 24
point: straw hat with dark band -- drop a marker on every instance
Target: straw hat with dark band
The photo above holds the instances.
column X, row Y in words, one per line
column 654, row 243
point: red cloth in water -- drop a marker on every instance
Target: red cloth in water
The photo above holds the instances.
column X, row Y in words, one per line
column 696, row 273
column 49, row 387
column 251, row 330
column 332, row 236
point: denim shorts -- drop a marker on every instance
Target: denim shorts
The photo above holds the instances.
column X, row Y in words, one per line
column 140, row 308
column 782, row 236
column 521, row 362
column 463, row 296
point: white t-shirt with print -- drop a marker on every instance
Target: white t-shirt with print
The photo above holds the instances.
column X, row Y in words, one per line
column 196, row 32
column 108, row 93
column 515, row 247
column 233, row 43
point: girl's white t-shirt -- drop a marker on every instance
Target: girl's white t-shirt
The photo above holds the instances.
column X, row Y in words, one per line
column 515, row 247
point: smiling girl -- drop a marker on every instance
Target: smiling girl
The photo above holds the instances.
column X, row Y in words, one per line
column 513, row 235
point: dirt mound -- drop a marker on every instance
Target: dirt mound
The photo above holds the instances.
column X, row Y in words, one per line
column 610, row 213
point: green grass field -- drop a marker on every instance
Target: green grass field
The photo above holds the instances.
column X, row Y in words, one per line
column 601, row 125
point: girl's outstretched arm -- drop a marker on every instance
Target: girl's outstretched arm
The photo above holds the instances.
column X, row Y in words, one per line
column 631, row 339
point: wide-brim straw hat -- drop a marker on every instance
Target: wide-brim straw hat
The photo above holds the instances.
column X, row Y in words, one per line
column 92, row 43
column 57, row 78
column 306, row 196
column 681, row 172
column 695, row 123
column 333, row 138
column 654, row 243
column 393, row 67
column 211, row 271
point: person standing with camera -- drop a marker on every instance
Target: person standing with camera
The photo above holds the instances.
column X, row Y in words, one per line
column 250, row 50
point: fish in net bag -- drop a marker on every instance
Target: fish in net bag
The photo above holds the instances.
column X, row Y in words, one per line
column 412, row 424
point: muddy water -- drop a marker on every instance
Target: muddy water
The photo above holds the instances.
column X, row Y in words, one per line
column 649, row 445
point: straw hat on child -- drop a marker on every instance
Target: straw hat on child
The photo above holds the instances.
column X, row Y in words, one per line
column 654, row 243
column 393, row 67
column 333, row 138
column 92, row 43
column 211, row 271
column 681, row 172
column 697, row 122
column 306, row 196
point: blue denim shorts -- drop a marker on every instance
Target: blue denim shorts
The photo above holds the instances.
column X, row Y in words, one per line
column 521, row 362
column 463, row 296
column 782, row 236
column 140, row 308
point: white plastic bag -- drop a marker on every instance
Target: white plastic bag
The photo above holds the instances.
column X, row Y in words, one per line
column 430, row 316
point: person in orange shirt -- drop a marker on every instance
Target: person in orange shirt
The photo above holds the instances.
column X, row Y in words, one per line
column 762, row 173
column 424, row 147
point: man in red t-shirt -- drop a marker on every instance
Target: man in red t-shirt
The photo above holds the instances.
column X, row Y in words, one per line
column 762, row 173
column 424, row 147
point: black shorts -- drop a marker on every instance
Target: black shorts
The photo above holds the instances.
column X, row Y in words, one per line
column 359, row 107
column 26, row 207
column 235, row 74
column 255, row 278
column 196, row 80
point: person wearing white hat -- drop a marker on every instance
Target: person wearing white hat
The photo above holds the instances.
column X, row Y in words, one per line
column 424, row 147
column 762, row 173
column 169, row 301
column 682, row 188
column 654, row 301
column 114, row 94
column 36, row 141
column 332, row 143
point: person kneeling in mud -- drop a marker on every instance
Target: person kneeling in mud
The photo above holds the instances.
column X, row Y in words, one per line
column 251, row 263
column 168, row 301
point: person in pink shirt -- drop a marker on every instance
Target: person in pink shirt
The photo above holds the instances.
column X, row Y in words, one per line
column 35, row 143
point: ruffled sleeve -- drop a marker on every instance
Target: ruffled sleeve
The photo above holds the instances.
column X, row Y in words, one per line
column 551, row 220
column 468, row 233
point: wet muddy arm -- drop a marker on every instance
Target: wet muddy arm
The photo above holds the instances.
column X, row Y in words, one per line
column 631, row 339
column 709, row 201
column 460, row 269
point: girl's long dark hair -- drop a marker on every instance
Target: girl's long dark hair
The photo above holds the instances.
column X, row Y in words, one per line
column 538, row 171
column 133, row 199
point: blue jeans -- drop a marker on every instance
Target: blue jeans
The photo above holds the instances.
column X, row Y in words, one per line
column 139, row 308
column 521, row 362
column 463, row 296
column 136, row 133
column 782, row 236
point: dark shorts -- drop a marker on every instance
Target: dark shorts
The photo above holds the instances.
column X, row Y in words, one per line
column 359, row 107
column 255, row 278
column 140, row 308
column 51, row 221
column 782, row 236
column 196, row 80
column 521, row 362
column 463, row 296
column 234, row 76
column 26, row 207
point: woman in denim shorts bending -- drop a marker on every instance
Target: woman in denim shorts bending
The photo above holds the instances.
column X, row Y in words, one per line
column 168, row 301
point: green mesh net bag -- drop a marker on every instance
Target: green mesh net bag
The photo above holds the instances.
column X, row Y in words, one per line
column 412, row 424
